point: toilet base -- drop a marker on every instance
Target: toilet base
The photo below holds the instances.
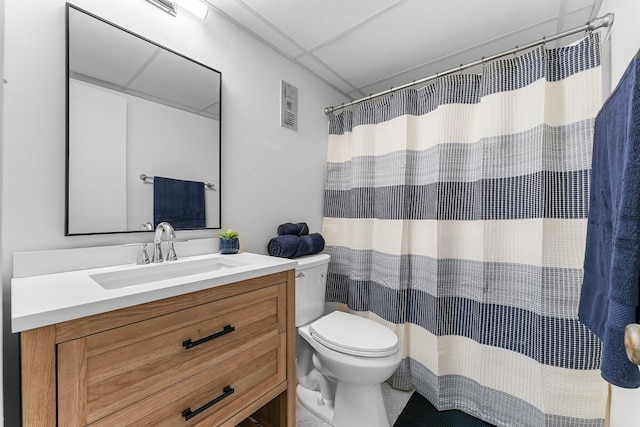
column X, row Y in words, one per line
column 356, row 405
column 309, row 400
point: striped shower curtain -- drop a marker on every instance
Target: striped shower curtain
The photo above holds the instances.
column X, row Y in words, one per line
column 456, row 215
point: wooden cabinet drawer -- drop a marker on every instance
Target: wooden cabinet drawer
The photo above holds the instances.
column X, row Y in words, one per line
column 223, row 389
column 108, row 371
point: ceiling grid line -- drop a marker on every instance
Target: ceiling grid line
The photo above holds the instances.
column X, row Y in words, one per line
column 354, row 27
column 269, row 24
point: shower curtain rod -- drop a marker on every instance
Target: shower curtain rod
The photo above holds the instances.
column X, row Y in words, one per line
column 594, row 24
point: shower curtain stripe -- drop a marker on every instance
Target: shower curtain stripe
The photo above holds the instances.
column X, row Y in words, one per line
column 456, row 277
column 502, row 201
column 489, row 241
column 455, row 214
column 508, row 327
column 562, row 149
column 426, row 100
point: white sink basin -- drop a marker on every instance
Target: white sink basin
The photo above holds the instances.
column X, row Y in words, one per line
column 164, row 271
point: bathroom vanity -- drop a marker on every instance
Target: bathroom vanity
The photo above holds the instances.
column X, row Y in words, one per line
column 208, row 346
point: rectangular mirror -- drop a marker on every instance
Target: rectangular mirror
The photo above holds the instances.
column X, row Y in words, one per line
column 135, row 111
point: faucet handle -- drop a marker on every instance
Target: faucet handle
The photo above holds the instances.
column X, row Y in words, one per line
column 144, row 255
column 171, row 256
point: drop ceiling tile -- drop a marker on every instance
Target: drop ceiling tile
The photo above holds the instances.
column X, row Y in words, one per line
column 311, row 23
column 254, row 24
column 478, row 52
column 173, row 78
column 466, row 56
column 408, row 42
column 95, row 51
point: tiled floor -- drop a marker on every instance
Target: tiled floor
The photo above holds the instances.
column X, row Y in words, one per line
column 394, row 400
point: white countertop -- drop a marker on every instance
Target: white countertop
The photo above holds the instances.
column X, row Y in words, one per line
column 52, row 298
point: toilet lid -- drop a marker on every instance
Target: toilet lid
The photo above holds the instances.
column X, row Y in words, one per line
column 351, row 334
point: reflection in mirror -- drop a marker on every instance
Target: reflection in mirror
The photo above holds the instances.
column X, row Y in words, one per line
column 135, row 108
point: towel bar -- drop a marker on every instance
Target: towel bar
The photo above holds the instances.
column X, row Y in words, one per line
column 146, row 177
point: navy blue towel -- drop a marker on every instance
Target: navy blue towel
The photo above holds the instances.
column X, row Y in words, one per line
column 284, row 246
column 610, row 291
column 298, row 229
column 292, row 246
column 178, row 202
column 310, row 244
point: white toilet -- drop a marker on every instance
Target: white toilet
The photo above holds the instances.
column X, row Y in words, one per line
column 341, row 358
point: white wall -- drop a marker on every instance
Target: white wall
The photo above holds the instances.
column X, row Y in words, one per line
column 625, row 37
column 97, row 159
column 625, row 42
column 270, row 175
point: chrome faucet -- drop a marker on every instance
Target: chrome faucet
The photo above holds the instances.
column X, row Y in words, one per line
column 164, row 227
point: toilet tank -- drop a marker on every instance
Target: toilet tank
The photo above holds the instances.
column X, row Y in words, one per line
column 311, row 283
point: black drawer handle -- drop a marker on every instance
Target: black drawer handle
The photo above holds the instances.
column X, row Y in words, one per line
column 226, row 330
column 188, row 414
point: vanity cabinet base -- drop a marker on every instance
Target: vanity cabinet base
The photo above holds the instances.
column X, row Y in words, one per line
column 207, row 358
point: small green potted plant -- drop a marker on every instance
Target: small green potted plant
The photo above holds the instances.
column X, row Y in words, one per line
column 229, row 243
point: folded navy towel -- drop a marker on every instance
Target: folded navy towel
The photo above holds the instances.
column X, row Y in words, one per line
column 291, row 246
column 180, row 203
column 310, row 244
column 284, row 246
column 298, row 229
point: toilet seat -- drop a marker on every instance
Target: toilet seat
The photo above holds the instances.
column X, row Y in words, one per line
column 354, row 335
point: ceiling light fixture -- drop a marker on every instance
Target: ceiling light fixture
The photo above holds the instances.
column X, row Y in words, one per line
column 196, row 7
column 168, row 6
